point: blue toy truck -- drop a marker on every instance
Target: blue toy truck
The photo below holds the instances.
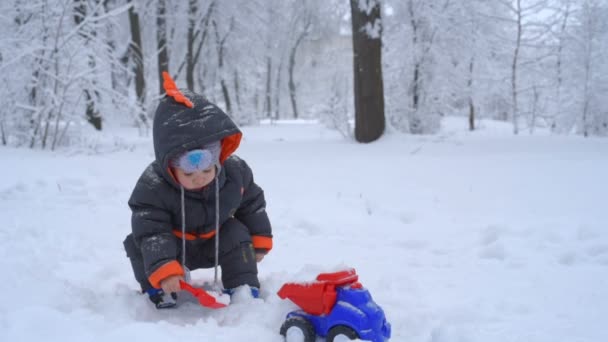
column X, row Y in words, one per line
column 335, row 305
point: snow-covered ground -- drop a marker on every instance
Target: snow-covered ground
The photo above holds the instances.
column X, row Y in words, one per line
column 460, row 237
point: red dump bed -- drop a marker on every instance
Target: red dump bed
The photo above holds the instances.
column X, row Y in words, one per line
column 319, row 297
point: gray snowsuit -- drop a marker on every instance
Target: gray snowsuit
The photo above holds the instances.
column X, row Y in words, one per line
column 154, row 246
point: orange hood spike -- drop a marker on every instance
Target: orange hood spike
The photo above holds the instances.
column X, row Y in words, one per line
column 171, row 89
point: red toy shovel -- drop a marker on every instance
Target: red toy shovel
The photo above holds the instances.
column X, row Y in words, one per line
column 204, row 298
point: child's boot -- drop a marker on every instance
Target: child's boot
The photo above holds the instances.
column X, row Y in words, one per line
column 243, row 292
column 162, row 300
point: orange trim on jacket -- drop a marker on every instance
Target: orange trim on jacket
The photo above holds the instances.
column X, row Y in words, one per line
column 169, row 269
column 229, row 145
column 264, row 242
column 190, row 236
column 170, row 172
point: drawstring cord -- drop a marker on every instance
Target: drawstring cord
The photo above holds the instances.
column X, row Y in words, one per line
column 183, row 232
column 217, row 231
column 217, row 228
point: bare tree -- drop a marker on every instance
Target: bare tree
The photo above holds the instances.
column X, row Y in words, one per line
column 581, row 62
column 529, row 34
column 192, row 35
column 197, row 35
column 64, row 61
column 237, row 89
column 268, row 89
column 471, row 101
column 161, row 42
column 305, row 18
column 368, row 84
column 420, row 21
column 277, row 89
column 274, row 54
column 590, row 29
column 60, row 47
column 221, row 51
column 559, row 68
column 91, row 94
column 518, row 15
column 137, row 57
column 416, row 24
column 111, row 42
column 3, row 133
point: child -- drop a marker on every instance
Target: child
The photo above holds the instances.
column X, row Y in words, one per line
column 175, row 202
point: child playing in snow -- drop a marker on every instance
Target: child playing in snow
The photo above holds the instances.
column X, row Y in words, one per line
column 192, row 187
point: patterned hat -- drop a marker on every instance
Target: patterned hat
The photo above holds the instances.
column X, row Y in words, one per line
column 199, row 159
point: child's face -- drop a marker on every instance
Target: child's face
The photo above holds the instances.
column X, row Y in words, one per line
column 195, row 180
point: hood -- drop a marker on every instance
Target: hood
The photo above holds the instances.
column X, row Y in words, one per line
column 178, row 128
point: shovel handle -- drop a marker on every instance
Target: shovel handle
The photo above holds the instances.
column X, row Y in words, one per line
column 187, row 287
column 204, row 298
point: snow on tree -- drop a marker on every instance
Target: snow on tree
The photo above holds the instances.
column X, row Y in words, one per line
column 70, row 65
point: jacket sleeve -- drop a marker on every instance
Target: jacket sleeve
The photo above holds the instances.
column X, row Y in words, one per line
column 252, row 211
column 151, row 225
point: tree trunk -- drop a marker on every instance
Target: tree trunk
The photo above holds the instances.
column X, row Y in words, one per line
column 137, row 54
column 268, row 92
column 138, row 60
column 585, row 114
column 112, row 47
column 558, row 95
column 416, row 87
column 277, row 91
column 368, row 84
column 416, row 74
column 267, row 98
column 37, row 126
column 92, row 114
column 91, row 95
column 226, row 95
column 471, row 102
column 534, row 109
column 237, row 90
column 514, row 69
column 291, row 67
column 3, row 133
column 161, row 41
column 221, row 45
column 192, row 50
column 190, row 61
column 415, row 124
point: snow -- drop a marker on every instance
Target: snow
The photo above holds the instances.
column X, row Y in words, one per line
column 366, row 6
column 459, row 236
column 373, row 30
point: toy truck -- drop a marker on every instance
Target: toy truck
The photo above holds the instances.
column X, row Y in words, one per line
column 335, row 306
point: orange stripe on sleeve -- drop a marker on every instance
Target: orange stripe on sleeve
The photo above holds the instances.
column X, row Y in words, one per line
column 262, row 242
column 169, row 269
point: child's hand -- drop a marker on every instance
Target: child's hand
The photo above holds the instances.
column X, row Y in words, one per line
column 171, row 284
column 259, row 256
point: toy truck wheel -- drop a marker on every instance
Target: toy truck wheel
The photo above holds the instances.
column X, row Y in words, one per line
column 341, row 333
column 298, row 329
